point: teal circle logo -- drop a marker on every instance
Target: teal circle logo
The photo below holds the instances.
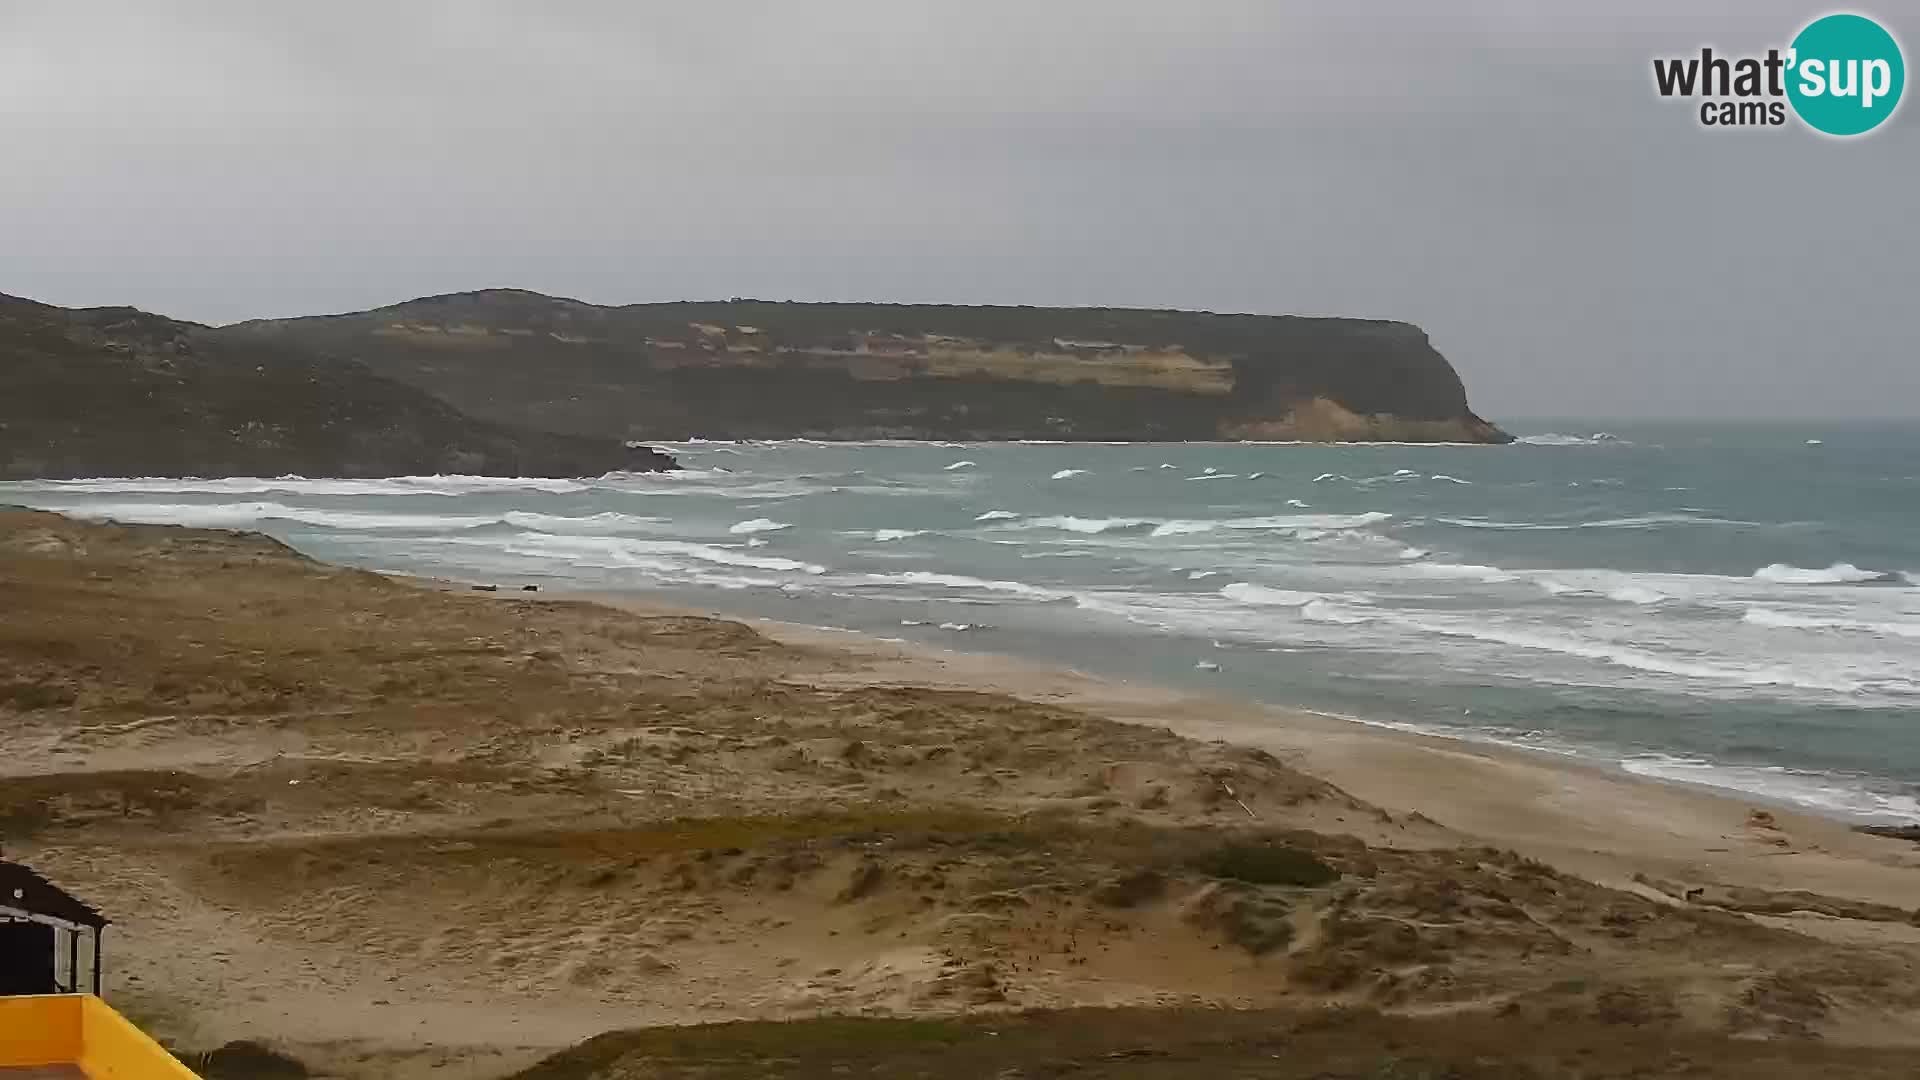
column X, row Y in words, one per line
column 1846, row 74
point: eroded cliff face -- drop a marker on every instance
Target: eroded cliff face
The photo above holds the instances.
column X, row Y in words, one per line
column 120, row 392
column 753, row 369
column 1323, row 420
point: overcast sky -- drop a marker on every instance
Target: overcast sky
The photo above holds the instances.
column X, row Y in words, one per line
column 1502, row 175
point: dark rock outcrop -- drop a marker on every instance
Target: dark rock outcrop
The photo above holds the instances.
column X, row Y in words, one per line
column 753, row 369
column 120, row 392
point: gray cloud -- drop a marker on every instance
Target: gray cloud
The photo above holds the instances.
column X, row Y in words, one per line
column 1500, row 173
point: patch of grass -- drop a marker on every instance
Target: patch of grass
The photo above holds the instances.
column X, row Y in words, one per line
column 1180, row 1044
column 1263, row 862
column 752, row 1046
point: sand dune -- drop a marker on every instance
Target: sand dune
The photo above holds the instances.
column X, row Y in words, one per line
column 398, row 830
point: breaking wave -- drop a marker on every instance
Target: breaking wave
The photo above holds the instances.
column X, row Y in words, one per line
column 1786, row 620
column 757, row 525
column 449, row 485
column 1837, row 574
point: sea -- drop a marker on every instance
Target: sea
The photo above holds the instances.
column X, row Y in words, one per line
column 1730, row 605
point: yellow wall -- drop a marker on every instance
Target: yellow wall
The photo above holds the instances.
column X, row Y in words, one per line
column 83, row 1030
column 39, row 1030
column 114, row 1049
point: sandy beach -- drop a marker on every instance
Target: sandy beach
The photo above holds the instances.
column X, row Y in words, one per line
column 404, row 831
column 1613, row 827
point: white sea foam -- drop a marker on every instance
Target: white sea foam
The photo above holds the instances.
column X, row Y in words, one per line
column 886, row 535
column 1627, row 656
column 1638, row 521
column 624, row 551
column 1833, row 794
column 1836, row 574
column 242, row 514
column 1786, row 620
column 1084, row 525
column 997, row 515
column 1324, row 522
column 608, row 522
column 960, row 581
column 450, row 485
column 1325, row 611
column 1449, row 479
column 1064, row 474
column 1492, row 575
column 1249, row 593
column 1555, row 438
column 959, row 465
column 757, row 525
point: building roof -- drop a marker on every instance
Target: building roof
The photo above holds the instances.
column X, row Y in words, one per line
column 24, row 890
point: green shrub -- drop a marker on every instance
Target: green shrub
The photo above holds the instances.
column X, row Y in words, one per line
column 1261, row 862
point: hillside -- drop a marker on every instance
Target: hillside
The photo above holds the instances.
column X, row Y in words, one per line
column 754, row 369
column 119, row 392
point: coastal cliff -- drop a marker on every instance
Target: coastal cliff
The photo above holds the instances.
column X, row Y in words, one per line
column 756, row 369
column 120, row 392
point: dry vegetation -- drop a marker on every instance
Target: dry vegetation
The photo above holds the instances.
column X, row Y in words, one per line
column 397, row 832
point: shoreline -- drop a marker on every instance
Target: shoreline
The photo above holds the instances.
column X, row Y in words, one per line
column 604, row 812
column 1584, row 816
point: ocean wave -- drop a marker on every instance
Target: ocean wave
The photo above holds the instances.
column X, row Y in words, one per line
column 887, row 535
column 591, row 523
column 1084, row 525
column 1491, row 575
column 1249, row 593
column 1846, row 795
column 1626, row 656
column 1638, row 521
column 958, row 465
column 996, row 515
column 1325, row 611
column 239, row 515
column 449, row 485
column 1064, row 474
column 1623, row 592
column 960, row 581
column 616, row 552
column 1555, row 438
column 1837, row 574
column 1321, row 522
column 757, row 525
column 1773, row 618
